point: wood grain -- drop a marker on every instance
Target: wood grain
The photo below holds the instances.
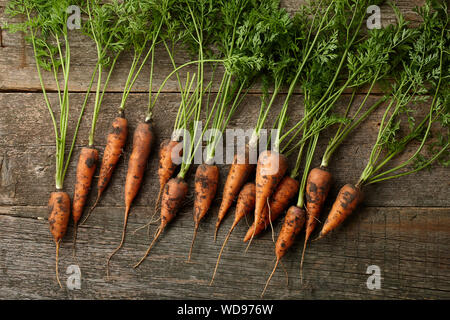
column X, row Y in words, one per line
column 410, row 245
column 27, row 144
column 402, row 227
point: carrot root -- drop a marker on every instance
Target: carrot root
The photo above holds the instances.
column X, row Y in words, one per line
column 221, row 251
column 56, row 260
column 122, row 241
column 160, row 229
column 270, row 278
column 192, row 243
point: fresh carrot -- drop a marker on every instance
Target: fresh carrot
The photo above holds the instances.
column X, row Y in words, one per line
column 142, row 143
column 245, row 205
column 113, row 150
column 279, row 201
column 317, row 187
column 394, row 133
column 166, row 167
column 239, row 172
column 270, row 171
column 142, row 50
column 59, row 207
column 174, row 194
column 42, row 25
column 275, row 161
column 196, row 15
column 293, row 224
column 87, row 163
column 346, row 202
column 206, row 181
column 108, row 53
column 116, row 140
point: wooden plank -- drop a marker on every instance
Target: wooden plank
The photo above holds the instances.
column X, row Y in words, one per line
column 18, row 70
column 402, row 226
column 410, row 245
column 27, row 145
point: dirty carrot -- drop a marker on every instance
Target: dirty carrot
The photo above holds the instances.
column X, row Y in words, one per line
column 59, row 208
column 239, row 75
column 131, row 37
column 279, row 201
column 115, row 143
column 426, row 61
column 166, row 167
column 290, row 73
column 346, row 202
column 108, row 51
column 188, row 116
column 238, row 174
column 206, row 181
column 270, row 171
column 277, row 64
column 293, row 224
column 175, row 192
column 142, row 143
column 320, row 178
column 87, row 163
column 45, row 28
column 317, row 187
column 245, row 205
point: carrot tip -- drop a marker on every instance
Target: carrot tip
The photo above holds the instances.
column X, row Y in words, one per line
column 215, row 233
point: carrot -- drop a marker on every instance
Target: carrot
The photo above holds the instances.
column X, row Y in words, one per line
column 270, row 170
column 206, row 181
column 346, row 202
column 59, row 207
column 142, row 143
column 173, row 196
column 239, row 171
column 87, row 163
column 285, row 191
column 166, row 167
column 113, row 150
column 245, row 205
column 317, row 187
column 293, row 224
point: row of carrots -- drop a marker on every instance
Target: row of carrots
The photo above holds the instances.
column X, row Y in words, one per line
column 256, row 41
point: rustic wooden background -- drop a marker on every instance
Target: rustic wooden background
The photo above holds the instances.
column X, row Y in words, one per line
column 403, row 226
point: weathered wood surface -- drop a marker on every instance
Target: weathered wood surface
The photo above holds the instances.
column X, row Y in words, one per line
column 403, row 226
